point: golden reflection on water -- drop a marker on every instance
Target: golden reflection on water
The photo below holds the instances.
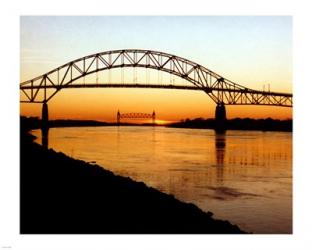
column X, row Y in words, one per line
column 241, row 176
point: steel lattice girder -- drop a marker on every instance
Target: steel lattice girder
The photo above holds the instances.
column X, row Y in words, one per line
column 221, row 90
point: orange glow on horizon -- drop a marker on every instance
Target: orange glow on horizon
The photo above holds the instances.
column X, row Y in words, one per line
column 169, row 105
column 163, row 122
column 166, row 111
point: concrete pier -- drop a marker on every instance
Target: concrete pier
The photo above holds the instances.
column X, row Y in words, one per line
column 118, row 118
column 220, row 117
column 154, row 117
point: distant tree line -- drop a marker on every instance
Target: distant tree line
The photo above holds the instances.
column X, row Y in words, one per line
column 267, row 124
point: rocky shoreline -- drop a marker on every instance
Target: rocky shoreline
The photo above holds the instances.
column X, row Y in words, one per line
column 61, row 195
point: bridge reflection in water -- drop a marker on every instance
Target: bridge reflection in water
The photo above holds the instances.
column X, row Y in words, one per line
column 220, row 140
column 220, row 145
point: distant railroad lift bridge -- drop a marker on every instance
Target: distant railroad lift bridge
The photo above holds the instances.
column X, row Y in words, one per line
column 136, row 116
column 221, row 90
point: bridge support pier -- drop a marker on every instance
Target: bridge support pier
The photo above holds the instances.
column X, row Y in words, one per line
column 45, row 125
column 118, row 118
column 154, row 117
column 220, row 117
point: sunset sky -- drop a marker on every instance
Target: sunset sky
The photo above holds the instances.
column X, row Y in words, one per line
column 251, row 51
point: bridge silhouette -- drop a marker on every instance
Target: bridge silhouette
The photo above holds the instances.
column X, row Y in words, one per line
column 136, row 116
column 221, row 90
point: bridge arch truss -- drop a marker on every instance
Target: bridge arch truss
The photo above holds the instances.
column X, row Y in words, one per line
column 221, row 90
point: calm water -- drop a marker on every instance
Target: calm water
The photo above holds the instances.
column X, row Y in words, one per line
column 241, row 176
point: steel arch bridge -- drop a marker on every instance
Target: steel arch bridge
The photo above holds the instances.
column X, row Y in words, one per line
column 218, row 88
column 221, row 90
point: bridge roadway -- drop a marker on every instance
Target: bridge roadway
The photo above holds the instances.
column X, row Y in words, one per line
column 153, row 86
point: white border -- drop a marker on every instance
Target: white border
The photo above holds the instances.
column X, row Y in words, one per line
column 9, row 181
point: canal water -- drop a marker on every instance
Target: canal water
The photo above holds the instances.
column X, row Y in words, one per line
column 241, row 176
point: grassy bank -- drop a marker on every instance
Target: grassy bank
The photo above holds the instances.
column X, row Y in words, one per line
column 61, row 195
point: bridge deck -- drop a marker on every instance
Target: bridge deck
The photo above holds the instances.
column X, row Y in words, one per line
column 152, row 86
